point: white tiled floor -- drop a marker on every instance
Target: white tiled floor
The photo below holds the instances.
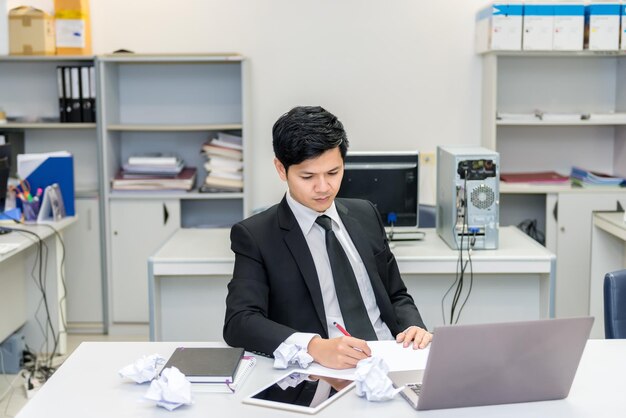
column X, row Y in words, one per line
column 12, row 386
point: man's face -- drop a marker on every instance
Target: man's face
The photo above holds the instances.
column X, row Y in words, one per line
column 314, row 182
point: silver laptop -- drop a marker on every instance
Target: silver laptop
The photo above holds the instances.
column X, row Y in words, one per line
column 490, row 364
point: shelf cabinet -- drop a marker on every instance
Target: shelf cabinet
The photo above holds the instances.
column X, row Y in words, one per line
column 168, row 104
column 83, row 269
column 561, row 84
column 28, row 90
column 138, row 229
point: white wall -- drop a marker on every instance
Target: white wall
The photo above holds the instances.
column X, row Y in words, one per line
column 400, row 74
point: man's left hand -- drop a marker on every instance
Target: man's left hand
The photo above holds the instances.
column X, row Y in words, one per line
column 416, row 336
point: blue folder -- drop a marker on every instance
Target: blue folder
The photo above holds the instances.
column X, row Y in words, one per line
column 54, row 169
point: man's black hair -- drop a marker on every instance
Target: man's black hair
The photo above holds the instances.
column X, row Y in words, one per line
column 306, row 132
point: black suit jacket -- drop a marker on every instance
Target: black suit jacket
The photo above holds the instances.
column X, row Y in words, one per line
column 275, row 290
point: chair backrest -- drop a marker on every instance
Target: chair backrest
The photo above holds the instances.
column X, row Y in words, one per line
column 428, row 216
column 615, row 304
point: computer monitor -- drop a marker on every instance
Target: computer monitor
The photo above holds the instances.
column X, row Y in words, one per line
column 5, row 168
column 390, row 181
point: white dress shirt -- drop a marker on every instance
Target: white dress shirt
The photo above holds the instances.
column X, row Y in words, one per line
column 316, row 239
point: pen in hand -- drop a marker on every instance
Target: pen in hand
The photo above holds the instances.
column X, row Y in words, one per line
column 342, row 329
column 346, row 333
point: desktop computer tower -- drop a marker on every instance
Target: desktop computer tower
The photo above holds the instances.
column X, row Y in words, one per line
column 468, row 197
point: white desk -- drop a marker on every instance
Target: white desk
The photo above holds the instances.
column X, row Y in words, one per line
column 189, row 274
column 87, row 385
column 20, row 297
column 608, row 253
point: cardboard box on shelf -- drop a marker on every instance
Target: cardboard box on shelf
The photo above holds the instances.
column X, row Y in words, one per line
column 603, row 26
column 73, row 27
column 499, row 27
column 4, row 28
column 538, row 26
column 31, row 32
column 569, row 26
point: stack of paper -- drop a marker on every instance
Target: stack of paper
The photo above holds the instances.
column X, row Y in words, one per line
column 224, row 164
column 185, row 180
column 154, row 172
column 587, row 178
column 151, row 165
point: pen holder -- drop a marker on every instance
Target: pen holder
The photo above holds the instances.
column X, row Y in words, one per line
column 31, row 210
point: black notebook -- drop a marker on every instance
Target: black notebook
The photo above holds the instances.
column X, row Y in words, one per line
column 206, row 364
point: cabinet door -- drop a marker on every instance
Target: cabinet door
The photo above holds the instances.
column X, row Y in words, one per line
column 83, row 270
column 138, row 229
column 574, row 248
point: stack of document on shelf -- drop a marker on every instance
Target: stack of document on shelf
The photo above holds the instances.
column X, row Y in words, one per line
column 152, row 165
column 540, row 177
column 185, row 180
column 587, row 178
column 224, row 164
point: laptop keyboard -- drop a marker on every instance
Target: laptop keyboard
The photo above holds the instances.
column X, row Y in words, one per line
column 415, row 387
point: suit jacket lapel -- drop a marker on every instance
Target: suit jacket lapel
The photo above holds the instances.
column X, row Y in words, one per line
column 302, row 256
column 360, row 240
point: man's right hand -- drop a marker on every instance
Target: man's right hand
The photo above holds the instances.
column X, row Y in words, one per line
column 338, row 353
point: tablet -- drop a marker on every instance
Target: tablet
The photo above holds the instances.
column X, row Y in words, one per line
column 301, row 392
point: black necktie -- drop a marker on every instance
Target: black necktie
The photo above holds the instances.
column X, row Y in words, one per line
column 357, row 322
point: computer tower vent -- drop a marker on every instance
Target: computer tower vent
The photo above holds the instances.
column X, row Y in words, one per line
column 483, row 197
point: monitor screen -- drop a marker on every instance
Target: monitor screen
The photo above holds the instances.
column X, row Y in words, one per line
column 5, row 168
column 387, row 179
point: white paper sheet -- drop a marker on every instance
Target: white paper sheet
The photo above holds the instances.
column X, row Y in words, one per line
column 397, row 358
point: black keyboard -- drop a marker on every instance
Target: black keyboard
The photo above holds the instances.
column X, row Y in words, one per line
column 417, row 388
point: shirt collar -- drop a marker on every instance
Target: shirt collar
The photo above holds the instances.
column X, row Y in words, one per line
column 306, row 216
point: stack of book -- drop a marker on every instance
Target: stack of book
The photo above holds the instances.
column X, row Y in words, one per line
column 224, row 164
column 586, row 178
column 154, row 172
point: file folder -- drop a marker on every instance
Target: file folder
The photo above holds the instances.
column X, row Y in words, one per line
column 67, row 82
column 43, row 170
column 92, row 92
column 61, row 93
column 76, row 115
column 87, row 115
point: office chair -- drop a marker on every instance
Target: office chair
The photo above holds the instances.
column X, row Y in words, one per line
column 615, row 304
column 428, row 216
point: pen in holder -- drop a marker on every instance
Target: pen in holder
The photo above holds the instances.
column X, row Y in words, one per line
column 30, row 210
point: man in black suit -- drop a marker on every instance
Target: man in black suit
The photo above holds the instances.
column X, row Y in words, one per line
column 286, row 285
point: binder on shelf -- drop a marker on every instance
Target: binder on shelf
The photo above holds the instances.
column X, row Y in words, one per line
column 67, row 81
column 43, row 170
column 61, row 94
column 92, row 92
column 76, row 115
column 85, row 89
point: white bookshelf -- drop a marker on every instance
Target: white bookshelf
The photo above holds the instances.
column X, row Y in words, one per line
column 170, row 104
column 28, row 90
column 563, row 84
